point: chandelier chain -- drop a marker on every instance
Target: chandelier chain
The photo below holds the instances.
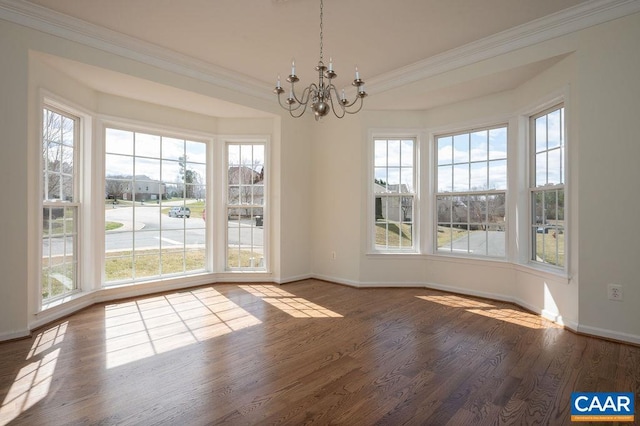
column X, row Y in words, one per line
column 323, row 97
column 321, row 13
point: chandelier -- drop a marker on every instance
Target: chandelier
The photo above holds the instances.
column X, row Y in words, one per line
column 323, row 96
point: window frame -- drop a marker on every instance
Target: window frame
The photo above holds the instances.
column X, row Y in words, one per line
column 373, row 248
column 263, row 265
column 505, row 227
column 161, row 132
column 533, row 189
column 48, row 203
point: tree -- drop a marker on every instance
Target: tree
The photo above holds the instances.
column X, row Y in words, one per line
column 190, row 178
column 115, row 188
column 57, row 156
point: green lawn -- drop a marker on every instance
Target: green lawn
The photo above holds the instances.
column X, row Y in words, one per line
column 119, row 265
column 446, row 235
column 546, row 245
column 396, row 232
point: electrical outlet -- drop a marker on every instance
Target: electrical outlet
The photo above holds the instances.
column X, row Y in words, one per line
column 615, row 292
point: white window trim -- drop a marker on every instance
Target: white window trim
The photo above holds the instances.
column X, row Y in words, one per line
column 221, row 228
column 104, row 122
column 531, row 189
column 419, row 136
column 84, row 225
column 434, row 134
column 523, row 257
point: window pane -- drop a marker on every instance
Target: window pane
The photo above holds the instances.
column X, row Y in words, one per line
column 461, row 177
column 541, row 169
column 460, row 212
column 154, row 199
column 380, row 153
column 498, row 174
column 445, row 178
column 554, row 129
column 445, row 150
column 443, row 206
column 118, row 142
column 541, row 133
column 407, row 180
column 496, row 209
column 172, row 149
column 197, row 152
column 58, row 268
column 146, row 264
column 461, row 148
column 480, row 165
column 406, row 154
column 147, row 169
column 147, row 145
column 393, row 174
column 479, row 176
column 498, row 143
column 477, row 209
column 554, row 165
column 479, row 147
column 393, row 153
column 496, row 241
column 245, row 223
column 548, row 233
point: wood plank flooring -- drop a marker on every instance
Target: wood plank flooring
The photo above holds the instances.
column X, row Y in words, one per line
column 309, row 352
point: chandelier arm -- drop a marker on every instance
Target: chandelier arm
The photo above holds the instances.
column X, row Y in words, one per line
column 304, row 108
column 320, row 97
column 288, row 106
column 359, row 107
column 350, row 104
column 331, row 90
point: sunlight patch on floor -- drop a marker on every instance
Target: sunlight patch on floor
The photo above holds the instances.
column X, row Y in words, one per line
column 33, row 381
column 297, row 307
column 266, row 291
column 512, row 316
column 456, row 301
column 139, row 329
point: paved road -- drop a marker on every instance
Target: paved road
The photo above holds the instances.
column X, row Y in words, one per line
column 477, row 243
column 153, row 227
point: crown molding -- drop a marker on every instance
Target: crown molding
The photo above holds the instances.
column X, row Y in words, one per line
column 51, row 22
column 561, row 23
column 573, row 19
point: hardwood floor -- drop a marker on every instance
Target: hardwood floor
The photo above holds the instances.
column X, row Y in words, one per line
column 307, row 352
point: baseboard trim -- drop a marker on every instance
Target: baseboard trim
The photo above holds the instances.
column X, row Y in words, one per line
column 112, row 294
column 14, row 335
column 609, row 334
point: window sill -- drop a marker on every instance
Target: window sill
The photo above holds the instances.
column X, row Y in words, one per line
column 62, row 301
column 394, row 254
column 547, row 272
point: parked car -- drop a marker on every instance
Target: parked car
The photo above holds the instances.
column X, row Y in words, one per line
column 180, row 212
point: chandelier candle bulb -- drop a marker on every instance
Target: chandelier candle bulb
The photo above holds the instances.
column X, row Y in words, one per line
column 322, row 97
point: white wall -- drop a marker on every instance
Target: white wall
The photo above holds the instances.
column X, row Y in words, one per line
column 596, row 71
column 26, row 75
column 608, row 112
column 13, row 224
column 319, row 202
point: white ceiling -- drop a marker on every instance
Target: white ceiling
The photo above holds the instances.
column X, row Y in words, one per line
column 255, row 40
